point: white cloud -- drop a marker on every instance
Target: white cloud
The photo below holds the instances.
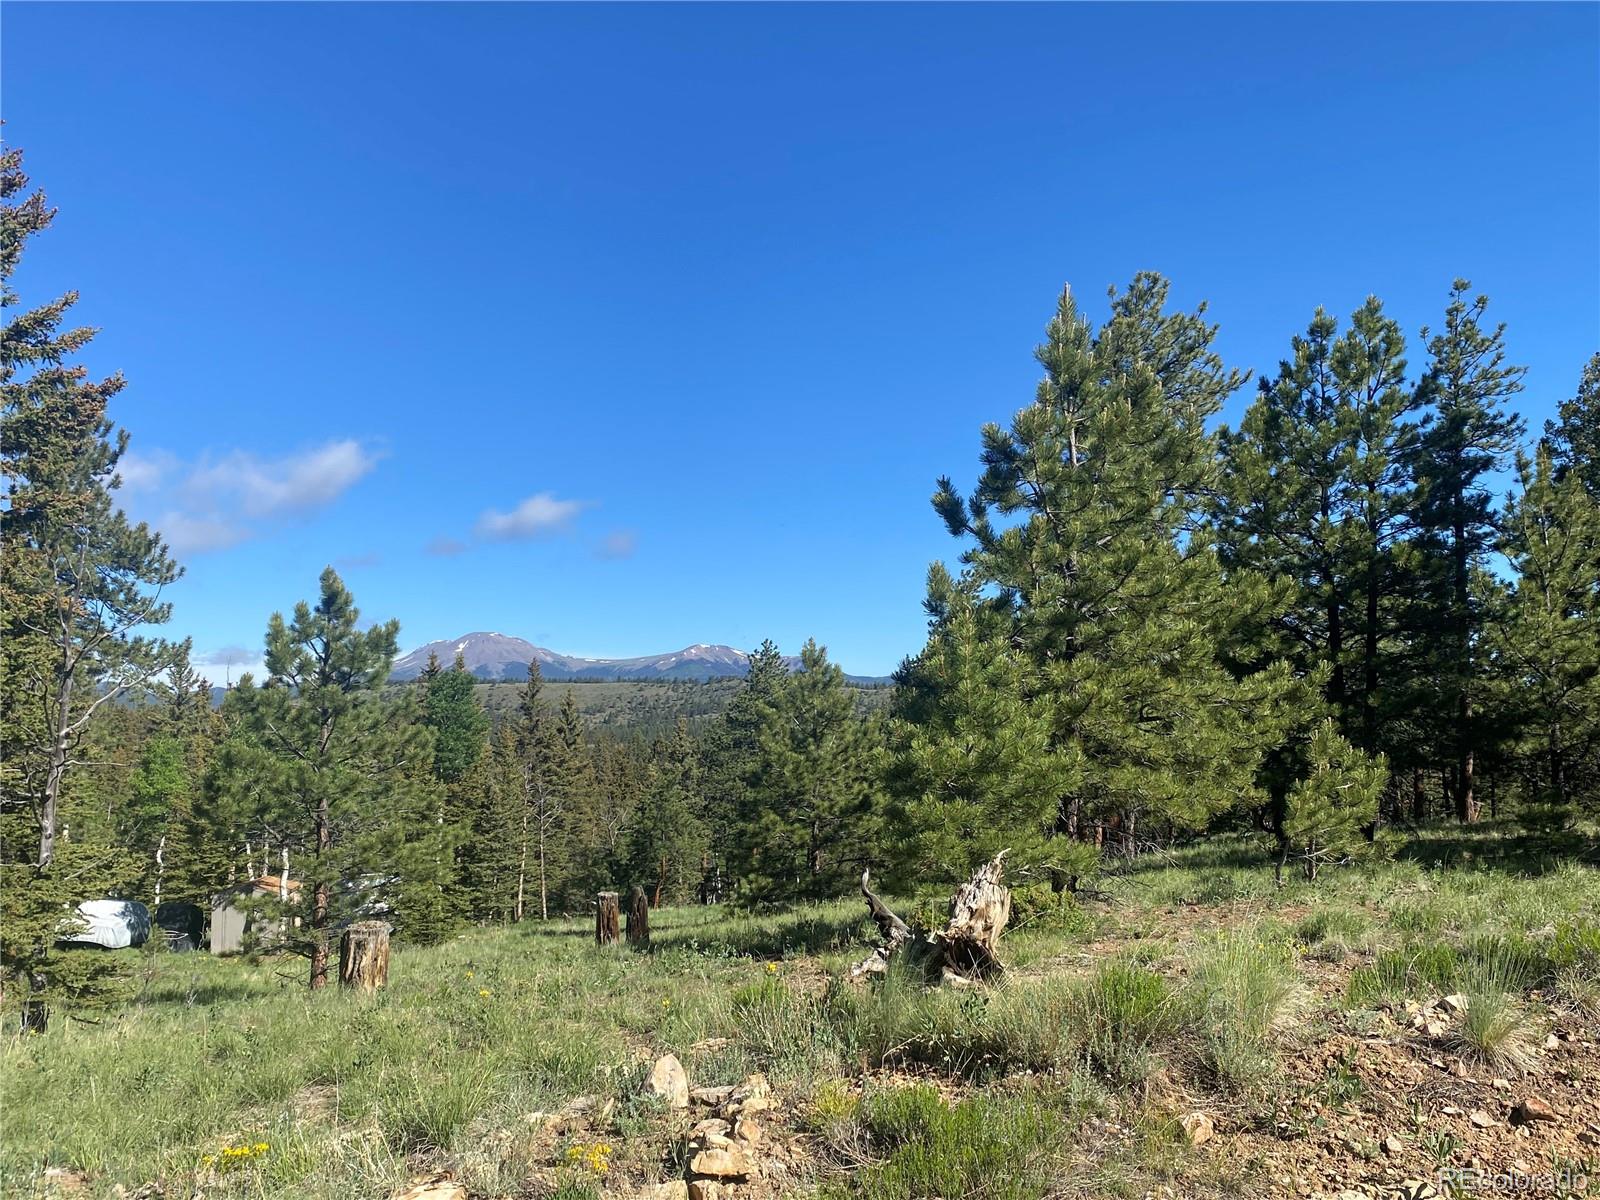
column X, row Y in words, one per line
column 293, row 483
column 185, row 534
column 444, row 547
column 217, row 501
column 618, row 544
column 142, row 472
column 536, row 516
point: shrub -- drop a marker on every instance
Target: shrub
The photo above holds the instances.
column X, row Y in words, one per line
column 997, row 1147
column 1499, row 1030
column 1241, row 991
column 1117, row 1015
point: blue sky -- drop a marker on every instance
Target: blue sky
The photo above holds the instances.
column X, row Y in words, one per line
column 621, row 328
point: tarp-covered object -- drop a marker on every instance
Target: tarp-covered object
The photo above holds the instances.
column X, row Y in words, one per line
column 114, row 924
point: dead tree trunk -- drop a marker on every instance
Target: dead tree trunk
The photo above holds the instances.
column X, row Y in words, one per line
column 964, row 952
column 607, row 917
column 638, row 918
column 364, row 956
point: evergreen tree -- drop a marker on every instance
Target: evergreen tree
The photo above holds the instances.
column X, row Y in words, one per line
column 1083, row 537
column 1574, row 435
column 1465, row 439
column 339, row 774
column 667, row 843
column 809, row 822
column 728, row 757
column 973, row 764
column 580, row 832
column 535, row 744
column 1327, row 809
column 79, row 585
column 1547, row 647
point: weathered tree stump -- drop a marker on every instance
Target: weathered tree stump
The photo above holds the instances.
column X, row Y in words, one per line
column 607, row 918
column 961, row 954
column 364, row 956
column 638, row 918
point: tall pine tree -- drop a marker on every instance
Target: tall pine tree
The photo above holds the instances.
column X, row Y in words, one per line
column 1466, row 438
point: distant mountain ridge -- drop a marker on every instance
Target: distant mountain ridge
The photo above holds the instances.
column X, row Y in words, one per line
column 499, row 657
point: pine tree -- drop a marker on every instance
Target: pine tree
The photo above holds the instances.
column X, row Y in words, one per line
column 728, row 758
column 1083, row 534
column 1465, row 439
column 810, row 819
column 341, row 775
column 580, row 832
column 973, row 763
column 667, row 843
column 1547, row 646
column 1574, row 435
column 1328, row 808
column 535, row 745
column 79, row 584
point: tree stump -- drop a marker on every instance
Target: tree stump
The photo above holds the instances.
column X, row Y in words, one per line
column 638, row 918
column 364, row 956
column 607, row 918
column 963, row 952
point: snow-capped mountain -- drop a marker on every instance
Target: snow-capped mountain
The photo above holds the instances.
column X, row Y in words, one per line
column 496, row 656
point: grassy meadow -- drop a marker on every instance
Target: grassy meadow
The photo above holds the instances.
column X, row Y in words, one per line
column 1189, row 1030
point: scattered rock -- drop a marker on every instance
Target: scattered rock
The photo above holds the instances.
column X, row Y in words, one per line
column 1551, row 1041
column 720, row 1162
column 1454, row 1004
column 1393, row 1145
column 712, row 1095
column 432, row 1187
column 711, row 1125
column 1530, row 1109
column 669, row 1081
column 713, row 1043
column 1500, row 1085
column 748, row 1131
column 1197, row 1127
column 1481, row 1119
column 672, row 1189
column 709, row 1189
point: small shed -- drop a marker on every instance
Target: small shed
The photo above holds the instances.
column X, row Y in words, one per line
column 231, row 919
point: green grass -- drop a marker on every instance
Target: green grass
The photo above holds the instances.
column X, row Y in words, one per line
column 457, row 1062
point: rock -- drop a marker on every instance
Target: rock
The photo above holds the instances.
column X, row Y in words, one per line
column 709, row 1189
column 669, row 1081
column 1454, row 1004
column 1393, row 1145
column 712, row 1043
column 1500, row 1085
column 1197, row 1127
column 711, row 1125
column 1530, row 1109
column 1433, row 1028
column 748, row 1131
column 1551, row 1041
column 712, row 1096
column 720, row 1163
column 1481, row 1119
column 432, row 1187
column 672, row 1189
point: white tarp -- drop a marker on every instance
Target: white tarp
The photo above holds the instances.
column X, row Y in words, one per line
column 114, row 924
